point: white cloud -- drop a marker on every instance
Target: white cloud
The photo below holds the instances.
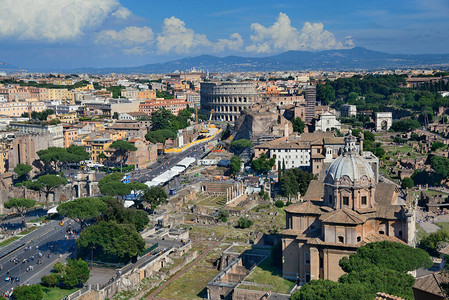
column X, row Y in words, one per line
column 235, row 42
column 282, row 36
column 122, row 13
column 53, row 20
column 128, row 36
column 176, row 37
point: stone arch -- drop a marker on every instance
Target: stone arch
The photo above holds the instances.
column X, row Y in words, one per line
column 384, row 125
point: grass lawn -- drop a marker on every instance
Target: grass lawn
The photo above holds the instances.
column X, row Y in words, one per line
column 267, row 274
column 434, row 193
column 31, row 229
column 9, row 241
column 443, row 225
column 56, row 293
column 192, row 285
column 420, row 233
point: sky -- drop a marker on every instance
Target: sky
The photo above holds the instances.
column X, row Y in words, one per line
column 114, row 33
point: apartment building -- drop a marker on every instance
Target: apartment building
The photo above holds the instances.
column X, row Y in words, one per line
column 16, row 109
column 172, row 105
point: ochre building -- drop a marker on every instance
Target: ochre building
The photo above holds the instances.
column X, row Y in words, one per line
column 346, row 210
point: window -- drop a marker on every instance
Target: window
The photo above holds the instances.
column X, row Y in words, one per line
column 363, row 200
column 346, row 200
column 307, row 258
column 341, row 239
column 359, row 238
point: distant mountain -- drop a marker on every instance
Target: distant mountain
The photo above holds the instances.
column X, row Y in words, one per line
column 348, row 59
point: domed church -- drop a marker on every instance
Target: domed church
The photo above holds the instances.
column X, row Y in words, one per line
column 346, row 210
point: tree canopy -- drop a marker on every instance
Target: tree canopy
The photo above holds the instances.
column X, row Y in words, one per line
column 294, row 181
column 28, row 292
column 407, row 182
column 54, row 155
column 325, row 93
column 239, row 145
column 154, row 196
column 115, row 211
column 22, row 170
column 263, row 164
column 48, row 183
column 122, row 149
column 298, row 125
column 405, row 125
column 376, row 267
column 72, row 274
column 110, row 241
column 236, row 163
column 441, row 165
column 82, row 208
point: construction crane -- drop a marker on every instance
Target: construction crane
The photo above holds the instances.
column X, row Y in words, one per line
column 206, row 130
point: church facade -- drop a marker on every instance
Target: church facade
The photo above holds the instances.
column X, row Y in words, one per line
column 346, row 210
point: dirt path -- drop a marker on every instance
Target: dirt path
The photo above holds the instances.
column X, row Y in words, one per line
column 184, row 270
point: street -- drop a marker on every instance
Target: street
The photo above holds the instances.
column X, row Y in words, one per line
column 40, row 253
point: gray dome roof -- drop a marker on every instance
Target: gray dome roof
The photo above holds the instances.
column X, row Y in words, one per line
column 352, row 165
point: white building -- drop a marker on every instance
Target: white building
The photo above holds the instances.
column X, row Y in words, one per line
column 383, row 121
column 348, row 110
column 327, row 122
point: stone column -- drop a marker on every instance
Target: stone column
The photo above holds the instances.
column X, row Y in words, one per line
column 314, row 263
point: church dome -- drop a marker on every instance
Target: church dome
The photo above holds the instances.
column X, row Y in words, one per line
column 349, row 164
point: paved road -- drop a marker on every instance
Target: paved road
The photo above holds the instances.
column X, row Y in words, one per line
column 51, row 244
column 167, row 162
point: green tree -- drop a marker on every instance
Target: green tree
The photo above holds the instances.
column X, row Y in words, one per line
column 160, row 136
column 294, row 181
column 116, row 90
column 431, row 242
column 116, row 189
column 82, row 209
column 441, row 165
column 405, row 125
column 279, row 203
column 161, row 119
column 137, row 186
column 223, row 215
column 22, row 171
column 111, row 242
column 325, row 93
column 29, row 292
column 263, row 164
column 438, row 145
column 387, row 255
column 298, row 125
column 154, row 196
column 73, row 274
column 407, row 183
column 226, row 133
column 21, row 205
column 122, row 149
column 115, row 211
column 239, row 145
column 115, row 115
column 236, row 163
column 49, row 183
column 244, row 222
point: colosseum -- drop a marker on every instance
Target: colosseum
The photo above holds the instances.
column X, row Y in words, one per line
column 227, row 99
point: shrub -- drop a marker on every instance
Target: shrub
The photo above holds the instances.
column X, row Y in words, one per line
column 279, row 203
column 245, row 222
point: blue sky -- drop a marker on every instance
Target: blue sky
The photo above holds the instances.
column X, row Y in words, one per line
column 101, row 33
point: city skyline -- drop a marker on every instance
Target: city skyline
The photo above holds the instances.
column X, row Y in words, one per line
column 74, row 34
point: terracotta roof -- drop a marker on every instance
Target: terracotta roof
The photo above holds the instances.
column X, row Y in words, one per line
column 390, row 212
column 375, row 237
column 307, row 207
column 431, row 283
column 385, row 296
column 343, row 216
column 318, row 155
column 385, row 193
column 315, row 191
column 315, row 136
